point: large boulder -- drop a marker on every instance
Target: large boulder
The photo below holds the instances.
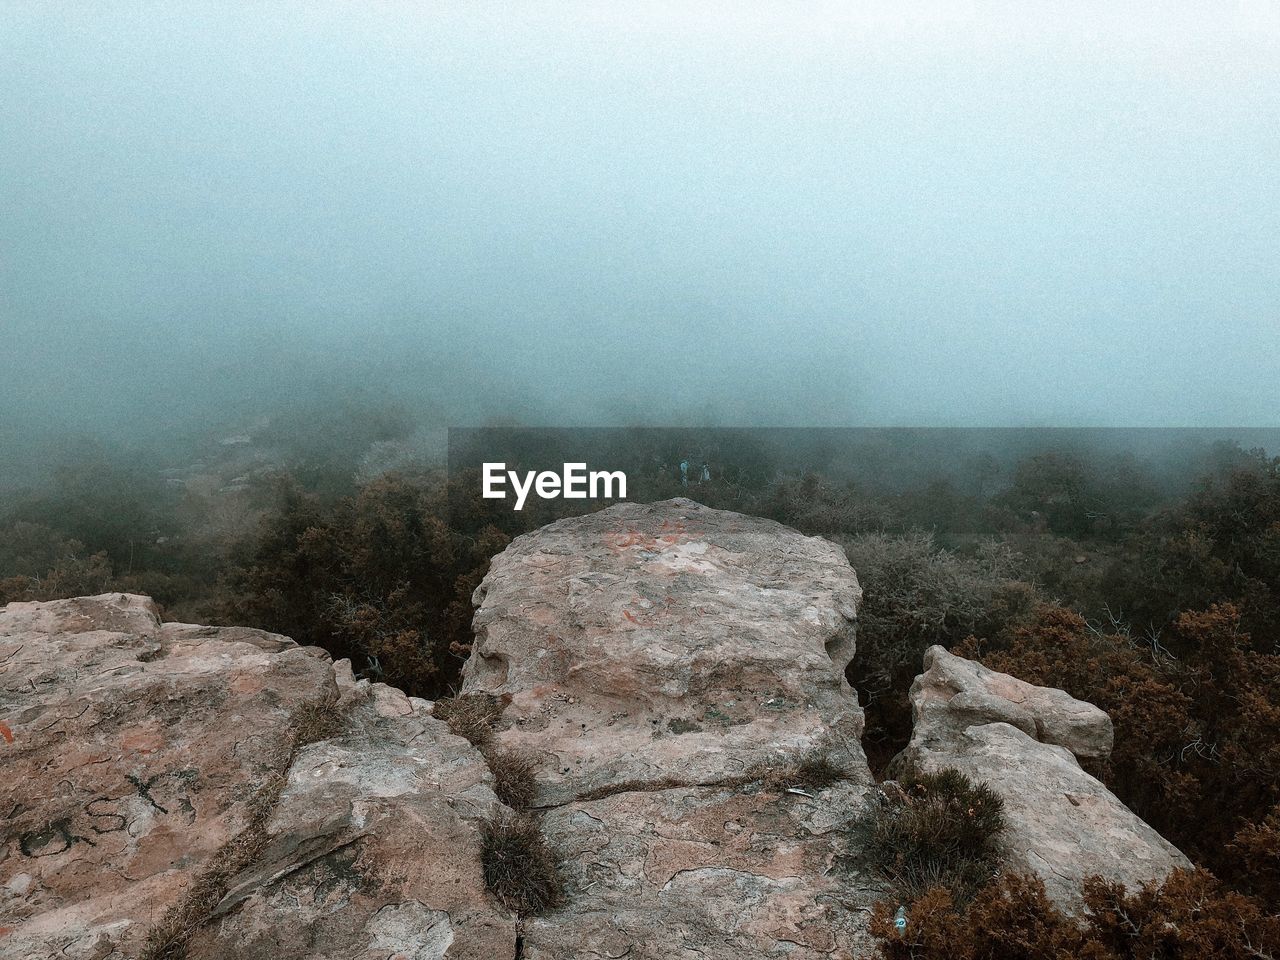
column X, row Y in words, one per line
column 651, row 642
column 1063, row 825
column 659, row 661
column 160, row 780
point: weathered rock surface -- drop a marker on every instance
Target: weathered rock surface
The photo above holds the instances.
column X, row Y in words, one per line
column 133, row 754
column 1063, row 825
column 954, row 694
column 649, row 655
column 651, row 641
column 372, row 848
column 708, row 873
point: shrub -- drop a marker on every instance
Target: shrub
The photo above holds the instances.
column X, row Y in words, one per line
column 1195, row 748
column 380, row 576
column 520, row 869
column 1011, row 919
column 918, row 594
column 938, row 829
column 1256, row 847
column 1220, row 545
column 1188, row 917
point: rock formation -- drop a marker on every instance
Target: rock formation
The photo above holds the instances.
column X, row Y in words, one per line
column 1022, row 740
column 652, row 656
column 651, row 642
column 675, row 674
column 158, row 781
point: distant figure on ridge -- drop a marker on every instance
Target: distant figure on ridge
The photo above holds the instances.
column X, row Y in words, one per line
column 684, row 473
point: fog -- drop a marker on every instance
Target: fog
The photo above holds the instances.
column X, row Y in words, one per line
column 565, row 213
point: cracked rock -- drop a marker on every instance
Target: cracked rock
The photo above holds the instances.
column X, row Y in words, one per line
column 133, row 755
column 652, row 657
column 1063, row 825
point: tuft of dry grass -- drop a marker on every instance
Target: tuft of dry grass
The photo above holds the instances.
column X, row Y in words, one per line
column 812, row 771
column 520, row 869
column 470, row 716
column 638, row 786
column 512, row 776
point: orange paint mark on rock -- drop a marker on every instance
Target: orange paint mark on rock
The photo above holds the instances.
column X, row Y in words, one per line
column 6, row 732
column 142, row 741
column 247, row 683
column 5, row 931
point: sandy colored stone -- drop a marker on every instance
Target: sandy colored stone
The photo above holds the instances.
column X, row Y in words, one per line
column 954, row 693
column 649, row 656
column 710, row 874
column 650, row 641
column 1063, row 825
column 372, row 848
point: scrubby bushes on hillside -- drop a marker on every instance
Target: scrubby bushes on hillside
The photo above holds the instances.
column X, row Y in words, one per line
column 373, row 577
column 1188, row 917
column 1196, row 751
column 1222, row 544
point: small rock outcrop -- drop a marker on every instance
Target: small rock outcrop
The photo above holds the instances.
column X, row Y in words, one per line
column 1063, row 825
column 160, row 782
column 651, row 657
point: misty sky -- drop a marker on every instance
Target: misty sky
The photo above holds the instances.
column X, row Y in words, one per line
column 743, row 212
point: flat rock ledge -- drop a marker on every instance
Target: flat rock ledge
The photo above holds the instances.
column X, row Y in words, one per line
column 1063, row 825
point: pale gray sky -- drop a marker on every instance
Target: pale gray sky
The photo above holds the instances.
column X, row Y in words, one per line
column 785, row 213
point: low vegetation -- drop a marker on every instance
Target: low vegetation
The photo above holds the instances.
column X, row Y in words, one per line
column 520, row 868
column 936, row 830
column 513, row 776
column 814, row 770
column 1196, row 713
column 1188, row 917
column 471, row 716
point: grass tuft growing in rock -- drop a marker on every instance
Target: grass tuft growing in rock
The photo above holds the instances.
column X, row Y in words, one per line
column 520, row 869
column 512, row 776
column 471, row 716
column 812, row 771
column 939, row 829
